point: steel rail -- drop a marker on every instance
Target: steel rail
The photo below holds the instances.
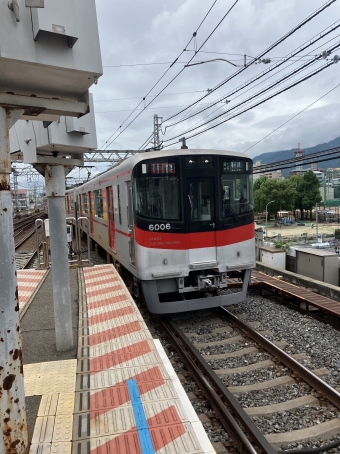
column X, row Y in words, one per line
column 308, row 376
column 204, row 374
column 31, row 258
column 27, row 220
column 22, row 241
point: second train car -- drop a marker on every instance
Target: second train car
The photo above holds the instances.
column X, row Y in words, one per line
column 176, row 222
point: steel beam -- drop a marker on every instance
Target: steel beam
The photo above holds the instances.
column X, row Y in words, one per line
column 12, row 396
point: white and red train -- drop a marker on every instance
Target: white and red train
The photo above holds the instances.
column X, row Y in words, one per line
column 176, row 222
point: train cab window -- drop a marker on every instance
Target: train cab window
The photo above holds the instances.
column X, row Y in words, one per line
column 85, row 205
column 236, row 189
column 157, row 190
column 98, row 203
column 201, row 200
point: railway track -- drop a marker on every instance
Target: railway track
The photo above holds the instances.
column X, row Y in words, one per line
column 24, row 239
column 26, row 259
column 239, row 371
column 27, row 221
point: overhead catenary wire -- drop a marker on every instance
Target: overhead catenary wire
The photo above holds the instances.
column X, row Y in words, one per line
column 175, row 77
column 290, row 119
column 279, row 41
column 157, row 82
column 286, row 59
column 138, row 97
column 221, row 107
column 129, row 110
column 312, row 74
column 263, row 91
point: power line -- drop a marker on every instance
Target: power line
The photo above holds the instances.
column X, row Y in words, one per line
column 175, row 77
column 129, row 110
column 236, row 73
column 292, row 118
column 193, row 36
column 260, row 102
column 220, row 107
column 319, row 156
column 287, row 58
column 263, row 91
column 165, row 94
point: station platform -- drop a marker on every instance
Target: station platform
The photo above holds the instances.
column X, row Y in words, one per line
column 120, row 394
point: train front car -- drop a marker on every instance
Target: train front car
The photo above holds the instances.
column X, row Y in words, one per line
column 194, row 223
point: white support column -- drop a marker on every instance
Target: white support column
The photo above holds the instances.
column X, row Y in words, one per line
column 12, row 397
column 55, row 192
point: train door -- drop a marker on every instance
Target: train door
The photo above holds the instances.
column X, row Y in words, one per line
column 201, row 218
column 131, row 225
column 111, row 216
column 91, row 206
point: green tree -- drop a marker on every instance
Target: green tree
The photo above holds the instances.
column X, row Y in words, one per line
column 282, row 192
column 297, row 182
column 310, row 191
column 259, row 182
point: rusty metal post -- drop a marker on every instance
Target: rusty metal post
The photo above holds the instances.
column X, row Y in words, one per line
column 55, row 192
column 12, row 396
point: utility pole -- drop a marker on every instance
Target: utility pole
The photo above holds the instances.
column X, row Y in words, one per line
column 157, row 123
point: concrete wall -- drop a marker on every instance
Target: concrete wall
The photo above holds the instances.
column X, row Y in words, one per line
column 328, row 290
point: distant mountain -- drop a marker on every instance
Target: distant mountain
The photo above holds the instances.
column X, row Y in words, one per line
column 273, row 156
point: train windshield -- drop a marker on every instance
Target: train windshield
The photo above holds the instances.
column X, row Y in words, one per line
column 236, row 189
column 157, row 190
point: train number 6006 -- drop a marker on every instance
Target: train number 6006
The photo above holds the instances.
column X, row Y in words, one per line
column 159, row 227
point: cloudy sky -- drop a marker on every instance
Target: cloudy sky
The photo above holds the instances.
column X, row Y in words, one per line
column 140, row 38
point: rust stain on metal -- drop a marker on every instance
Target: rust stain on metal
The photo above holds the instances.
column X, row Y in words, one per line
column 8, row 382
column 4, row 184
column 16, row 400
column 17, row 354
column 5, row 209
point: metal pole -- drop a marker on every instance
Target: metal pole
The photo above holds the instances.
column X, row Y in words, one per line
column 267, row 217
column 12, row 396
column 55, row 192
column 316, row 221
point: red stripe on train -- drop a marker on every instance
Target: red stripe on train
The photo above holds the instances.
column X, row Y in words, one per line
column 184, row 241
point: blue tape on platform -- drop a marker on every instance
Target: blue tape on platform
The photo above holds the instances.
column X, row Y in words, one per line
column 141, row 423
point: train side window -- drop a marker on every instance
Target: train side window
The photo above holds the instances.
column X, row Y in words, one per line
column 85, row 206
column 119, row 206
column 98, row 203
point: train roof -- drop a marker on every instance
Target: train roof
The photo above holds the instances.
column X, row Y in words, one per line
column 130, row 163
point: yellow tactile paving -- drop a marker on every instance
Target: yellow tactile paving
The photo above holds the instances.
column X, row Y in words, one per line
column 54, row 448
column 50, row 378
column 56, row 404
column 55, row 382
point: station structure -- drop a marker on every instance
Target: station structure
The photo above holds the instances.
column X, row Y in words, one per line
column 119, row 393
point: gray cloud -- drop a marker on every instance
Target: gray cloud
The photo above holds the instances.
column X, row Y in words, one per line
column 156, row 31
